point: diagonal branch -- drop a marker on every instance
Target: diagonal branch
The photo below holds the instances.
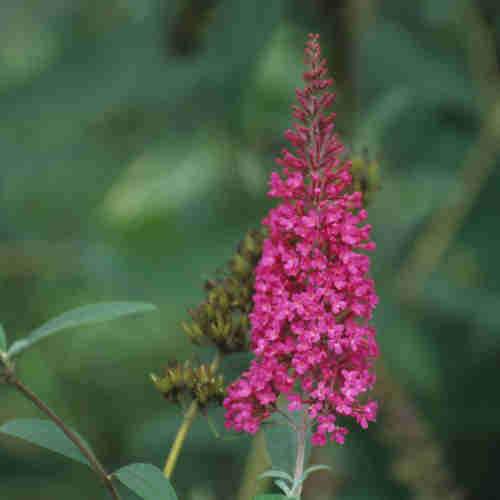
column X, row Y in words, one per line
column 478, row 165
column 10, row 378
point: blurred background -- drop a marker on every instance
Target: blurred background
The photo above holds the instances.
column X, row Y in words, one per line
column 136, row 138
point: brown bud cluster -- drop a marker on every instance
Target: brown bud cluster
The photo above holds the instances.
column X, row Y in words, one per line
column 183, row 380
column 223, row 317
column 365, row 176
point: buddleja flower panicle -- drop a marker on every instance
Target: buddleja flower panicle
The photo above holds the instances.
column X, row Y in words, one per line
column 313, row 296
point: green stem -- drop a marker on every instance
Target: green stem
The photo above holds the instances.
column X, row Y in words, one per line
column 176, row 448
column 300, row 460
column 257, row 462
column 187, row 422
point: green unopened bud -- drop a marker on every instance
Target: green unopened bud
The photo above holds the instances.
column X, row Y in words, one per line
column 193, row 331
column 365, row 176
column 240, row 265
column 249, row 245
column 209, row 310
column 223, row 300
column 207, row 386
column 162, row 384
column 212, row 296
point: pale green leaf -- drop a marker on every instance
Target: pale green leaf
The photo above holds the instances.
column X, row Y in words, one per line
column 85, row 315
column 147, row 481
column 313, row 468
column 46, row 434
column 283, row 487
column 276, row 474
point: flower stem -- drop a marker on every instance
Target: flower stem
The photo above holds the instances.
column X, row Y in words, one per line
column 187, row 422
column 12, row 380
column 299, row 462
column 175, row 450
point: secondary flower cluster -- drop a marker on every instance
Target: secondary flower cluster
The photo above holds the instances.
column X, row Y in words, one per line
column 186, row 380
column 222, row 320
column 313, row 297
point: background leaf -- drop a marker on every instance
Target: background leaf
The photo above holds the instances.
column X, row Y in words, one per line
column 46, row 434
column 85, row 315
column 281, row 443
column 3, row 339
column 147, row 481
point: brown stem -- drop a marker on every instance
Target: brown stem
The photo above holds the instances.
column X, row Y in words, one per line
column 12, row 380
column 478, row 165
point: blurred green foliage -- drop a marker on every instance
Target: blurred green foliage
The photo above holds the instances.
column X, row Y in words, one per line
column 136, row 139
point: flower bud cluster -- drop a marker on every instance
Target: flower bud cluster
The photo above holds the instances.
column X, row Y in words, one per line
column 365, row 174
column 183, row 380
column 223, row 317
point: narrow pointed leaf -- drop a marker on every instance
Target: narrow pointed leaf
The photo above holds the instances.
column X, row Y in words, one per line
column 283, row 487
column 276, row 473
column 46, row 434
column 3, row 339
column 147, row 481
column 314, row 468
column 85, row 315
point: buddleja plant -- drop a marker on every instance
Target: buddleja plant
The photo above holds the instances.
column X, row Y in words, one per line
column 307, row 302
column 297, row 294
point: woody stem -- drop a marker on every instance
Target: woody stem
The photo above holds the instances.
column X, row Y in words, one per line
column 11, row 379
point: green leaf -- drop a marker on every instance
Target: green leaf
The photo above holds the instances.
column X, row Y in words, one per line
column 380, row 116
column 46, row 434
column 276, row 473
column 147, row 481
column 85, row 315
column 269, row 497
column 283, row 487
column 314, row 468
column 3, row 339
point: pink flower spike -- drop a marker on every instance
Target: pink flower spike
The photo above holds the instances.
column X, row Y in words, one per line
column 313, row 296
